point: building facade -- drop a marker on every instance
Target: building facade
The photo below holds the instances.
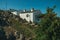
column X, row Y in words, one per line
column 30, row 16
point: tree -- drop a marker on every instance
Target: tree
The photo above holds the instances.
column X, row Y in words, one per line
column 49, row 26
column 11, row 37
column 2, row 34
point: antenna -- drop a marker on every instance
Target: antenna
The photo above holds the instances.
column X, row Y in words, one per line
column 1, row 5
column 6, row 4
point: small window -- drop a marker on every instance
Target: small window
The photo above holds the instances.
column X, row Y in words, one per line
column 27, row 15
column 38, row 19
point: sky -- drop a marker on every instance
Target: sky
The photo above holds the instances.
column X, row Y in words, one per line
column 28, row 4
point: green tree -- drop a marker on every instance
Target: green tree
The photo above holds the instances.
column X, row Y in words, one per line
column 49, row 26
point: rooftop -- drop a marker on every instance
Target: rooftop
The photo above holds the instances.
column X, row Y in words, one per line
column 25, row 11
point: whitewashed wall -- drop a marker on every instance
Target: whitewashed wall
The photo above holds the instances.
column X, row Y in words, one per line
column 15, row 12
column 24, row 16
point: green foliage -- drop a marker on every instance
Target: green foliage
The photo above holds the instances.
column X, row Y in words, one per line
column 49, row 27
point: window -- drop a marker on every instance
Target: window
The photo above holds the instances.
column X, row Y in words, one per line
column 27, row 15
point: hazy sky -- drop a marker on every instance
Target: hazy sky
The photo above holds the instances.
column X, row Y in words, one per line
column 28, row 4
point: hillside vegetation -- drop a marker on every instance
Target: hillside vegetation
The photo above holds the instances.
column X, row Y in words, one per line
column 12, row 27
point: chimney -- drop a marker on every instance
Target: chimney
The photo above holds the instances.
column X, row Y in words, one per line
column 24, row 10
column 32, row 9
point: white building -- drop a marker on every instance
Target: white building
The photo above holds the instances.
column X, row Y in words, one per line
column 31, row 15
column 14, row 12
